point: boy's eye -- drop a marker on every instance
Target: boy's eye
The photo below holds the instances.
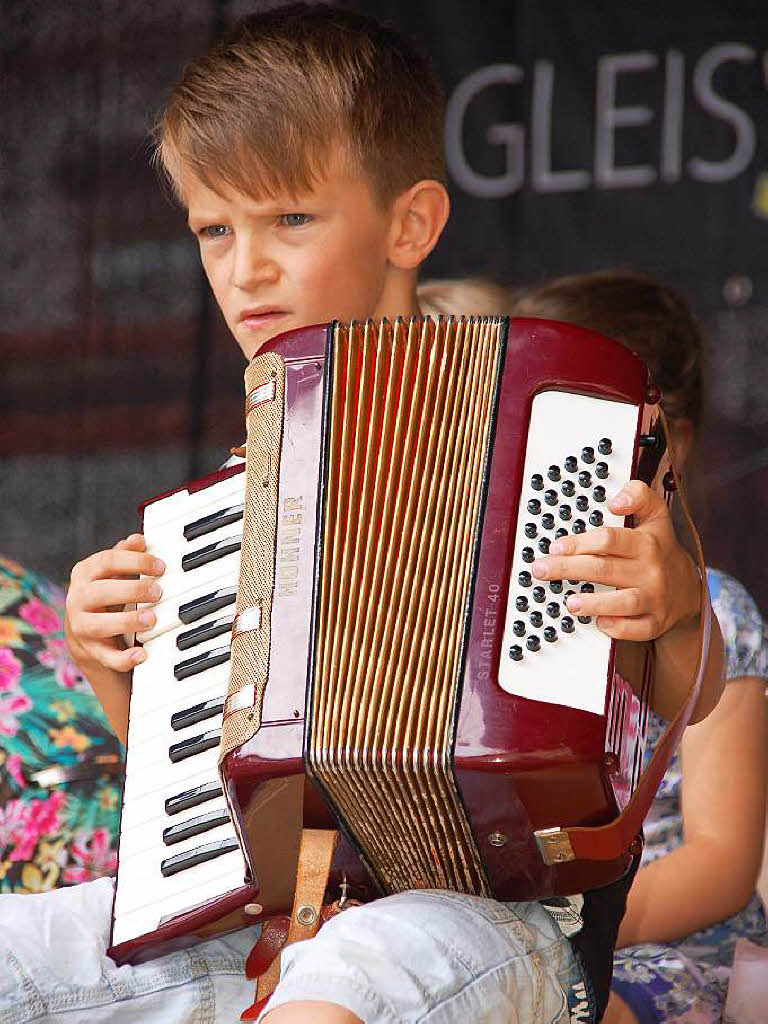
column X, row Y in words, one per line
column 295, row 220
column 213, row 231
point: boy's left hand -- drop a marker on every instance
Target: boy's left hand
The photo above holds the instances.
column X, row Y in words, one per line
column 657, row 584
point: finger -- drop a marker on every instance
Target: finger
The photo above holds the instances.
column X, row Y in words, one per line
column 101, row 594
column 610, row 571
column 641, row 627
column 102, row 625
column 134, row 542
column 628, row 603
column 604, row 540
column 119, row 659
column 120, row 562
column 637, row 499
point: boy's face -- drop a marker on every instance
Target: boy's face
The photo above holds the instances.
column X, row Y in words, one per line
column 276, row 264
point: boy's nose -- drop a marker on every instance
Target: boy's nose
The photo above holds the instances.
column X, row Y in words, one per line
column 253, row 267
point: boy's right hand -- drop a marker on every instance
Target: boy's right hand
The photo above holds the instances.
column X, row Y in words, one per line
column 96, row 620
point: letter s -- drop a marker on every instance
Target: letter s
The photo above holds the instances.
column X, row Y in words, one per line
column 713, row 103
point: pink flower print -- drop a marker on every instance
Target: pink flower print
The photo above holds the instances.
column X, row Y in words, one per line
column 10, row 670
column 41, row 617
column 95, row 859
column 22, row 824
column 55, row 656
column 13, row 765
column 12, row 704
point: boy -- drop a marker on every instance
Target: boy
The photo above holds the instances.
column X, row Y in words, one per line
column 307, row 152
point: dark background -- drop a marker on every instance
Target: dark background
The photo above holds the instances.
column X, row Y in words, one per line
column 579, row 135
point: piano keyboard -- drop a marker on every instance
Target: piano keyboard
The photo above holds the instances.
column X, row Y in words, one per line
column 178, row 848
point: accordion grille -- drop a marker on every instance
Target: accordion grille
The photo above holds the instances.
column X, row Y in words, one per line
column 407, row 435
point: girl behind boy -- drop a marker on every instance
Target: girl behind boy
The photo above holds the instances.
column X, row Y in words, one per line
column 695, row 892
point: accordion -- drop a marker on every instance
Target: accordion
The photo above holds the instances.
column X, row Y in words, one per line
column 350, row 634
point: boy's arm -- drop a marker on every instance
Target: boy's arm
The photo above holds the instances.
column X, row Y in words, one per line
column 713, row 873
column 96, row 621
column 658, row 594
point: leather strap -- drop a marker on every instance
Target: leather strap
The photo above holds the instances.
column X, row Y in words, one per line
column 315, row 856
column 608, row 842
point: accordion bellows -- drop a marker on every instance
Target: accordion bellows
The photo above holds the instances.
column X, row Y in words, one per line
column 401, row 498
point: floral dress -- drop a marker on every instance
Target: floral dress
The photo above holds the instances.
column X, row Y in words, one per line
column 686, row 981
column 60, row 762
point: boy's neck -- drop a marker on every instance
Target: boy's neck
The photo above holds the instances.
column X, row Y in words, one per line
column 398, row 297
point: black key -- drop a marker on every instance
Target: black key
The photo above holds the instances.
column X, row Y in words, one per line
column 194, row 826
column 208, row 630
column 579, row 526
column 585, row 478
column 553, row 609
column 194, row 745
column 544, row 545
column 210, row 553
column 197, row 713
column 192, row 797
column 201, row 662
column 596, row 519
column 182, row 861
column 207, row 605
column 213, row 522
column 565, row 511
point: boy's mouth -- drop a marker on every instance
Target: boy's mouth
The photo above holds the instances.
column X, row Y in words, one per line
column 261, row 316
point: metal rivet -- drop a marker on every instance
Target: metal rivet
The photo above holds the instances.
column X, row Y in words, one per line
column 254, row 909
column 497, row 839
column 306, row 915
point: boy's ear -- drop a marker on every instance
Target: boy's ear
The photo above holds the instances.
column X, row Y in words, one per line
column 419, row 216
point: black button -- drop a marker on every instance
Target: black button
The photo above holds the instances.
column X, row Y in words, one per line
column 564, row 511
column 596, row 519
column 571, row 464
column 521, row 603
column 587, row 588
column 534, row 506
column 568, row 488
column 582, row 503
column 539, row 594
column 544, row 545
column 530, row 530
column 536, row 619
column 550, row 634
column 556, row 586
column 554, row 473
column 560, row 533
column 516, row 653
column 569, row 593
column 604, row 446
column 588, row 454
column 567, row 624
column 599, row 493
column 533, row 643
column 524, row 579
column 518, row 627
column 585, row 619
column 528, row 554
column 548, row 521
column 601, row 470
column 550, row 497
column 553, row 609
column 585, row 478
column 579, row 526
column 537, row 481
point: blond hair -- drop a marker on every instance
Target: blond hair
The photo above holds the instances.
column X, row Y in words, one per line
column 468, row 296
column 265, row 108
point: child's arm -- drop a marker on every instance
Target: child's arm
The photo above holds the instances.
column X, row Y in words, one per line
column 714, row 873
column 96, row 621
column 658, row 594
